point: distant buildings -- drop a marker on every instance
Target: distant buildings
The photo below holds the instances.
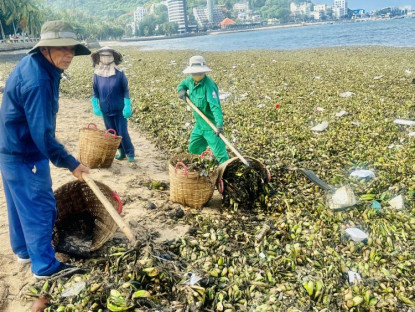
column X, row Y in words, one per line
column 301, row 9
column 319, row 11
column 139, row 13
column 339, row 8
column 242, row 11
column 202, row 16
column 177, row 10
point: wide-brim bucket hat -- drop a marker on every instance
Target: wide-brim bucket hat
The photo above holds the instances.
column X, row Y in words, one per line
column 197, row 64
column 106, row 50
column 59, row 34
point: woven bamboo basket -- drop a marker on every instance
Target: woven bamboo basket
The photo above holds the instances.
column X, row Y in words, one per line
column 74, row 199
column 189, row 187
column 97, row 148
column 252, row 162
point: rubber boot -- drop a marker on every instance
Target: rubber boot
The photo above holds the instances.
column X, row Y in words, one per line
column 120, row 155
column 130, row 159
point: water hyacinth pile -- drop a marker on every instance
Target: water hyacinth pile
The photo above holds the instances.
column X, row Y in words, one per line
column 303, row 262
column 204, row 164
column 244, row 187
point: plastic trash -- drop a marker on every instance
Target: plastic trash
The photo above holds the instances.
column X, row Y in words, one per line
column 356, row 235
column 187, row 124
column 224, row 95
column 397, row 202
column 376, row 205
column 404, row 122
column 261, row 105
column 408, row 72
column 356, row 123
column 354, row 277
column 320, row 109
column 193, row 279
column 320, row 127
column 342, row 198
column 363, row 174
column 341, row 113
column 378, row 77
column 347, row 94
column 268, row 98
column 74, row 289
column 411, row 134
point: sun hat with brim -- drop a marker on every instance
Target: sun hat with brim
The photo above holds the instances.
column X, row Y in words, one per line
column 106, row 51
column 197, row 64
column 59, row 34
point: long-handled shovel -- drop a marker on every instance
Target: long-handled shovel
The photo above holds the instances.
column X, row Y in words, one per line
column 244, row 161
column 113, row 213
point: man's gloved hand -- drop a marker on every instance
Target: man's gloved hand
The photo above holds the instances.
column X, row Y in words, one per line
column 126, row 112
column 183, row 94
column 95, row 107
column 219, row 130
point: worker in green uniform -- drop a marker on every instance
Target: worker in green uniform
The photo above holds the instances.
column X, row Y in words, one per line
column 204, row 94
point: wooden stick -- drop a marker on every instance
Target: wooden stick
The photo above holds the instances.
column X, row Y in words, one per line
column 113, row 213
column 215, row 129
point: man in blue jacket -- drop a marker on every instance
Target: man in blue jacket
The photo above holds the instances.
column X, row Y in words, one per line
column 27, row 143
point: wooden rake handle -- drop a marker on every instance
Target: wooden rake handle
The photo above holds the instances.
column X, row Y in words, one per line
column 245, row 162
column 108, row 206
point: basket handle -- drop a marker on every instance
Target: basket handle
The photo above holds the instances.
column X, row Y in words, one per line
column 221, row 186
column 183, row 165
column 91, row 124
column 118, row 199
column 268, row 175
column 205, row 153
column 111, row 131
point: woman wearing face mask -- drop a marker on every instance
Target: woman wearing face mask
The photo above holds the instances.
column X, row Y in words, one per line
column 111, row 97
column 203, row 92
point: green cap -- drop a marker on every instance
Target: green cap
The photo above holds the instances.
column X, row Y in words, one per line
column 59, row 34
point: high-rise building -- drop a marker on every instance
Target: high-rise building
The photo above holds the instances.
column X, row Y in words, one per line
column 210, row 10
column 339, row 8
column 139, row 13
column 177, row 10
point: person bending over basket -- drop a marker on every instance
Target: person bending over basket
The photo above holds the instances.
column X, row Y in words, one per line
column 111, row 97
column 27, row 143
column 203, row 92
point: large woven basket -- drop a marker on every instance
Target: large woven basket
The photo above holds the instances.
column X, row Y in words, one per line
column 97, row 148
column 252, row 162
column 76, row 198
column 189, row 187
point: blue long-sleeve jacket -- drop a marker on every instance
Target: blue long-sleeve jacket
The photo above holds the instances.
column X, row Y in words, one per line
column 28, row 114
column 111, row 92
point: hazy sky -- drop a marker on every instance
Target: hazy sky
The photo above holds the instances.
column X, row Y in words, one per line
column 369, row 5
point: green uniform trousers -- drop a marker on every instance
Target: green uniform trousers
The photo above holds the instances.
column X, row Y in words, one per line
column 200, row 139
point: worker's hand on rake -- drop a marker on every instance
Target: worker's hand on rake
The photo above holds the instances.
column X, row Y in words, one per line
column 219, row 130
column 182, row 94
column 78, row 172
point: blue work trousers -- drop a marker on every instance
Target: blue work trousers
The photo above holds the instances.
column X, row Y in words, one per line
column 119, row 124
column 31, row 211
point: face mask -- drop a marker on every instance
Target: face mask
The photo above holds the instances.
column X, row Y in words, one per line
column 106, row 59
column 197, row 78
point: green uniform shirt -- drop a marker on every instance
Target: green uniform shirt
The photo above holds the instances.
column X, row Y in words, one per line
column 205, row 96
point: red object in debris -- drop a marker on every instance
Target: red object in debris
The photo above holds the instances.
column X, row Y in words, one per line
column 277, row 106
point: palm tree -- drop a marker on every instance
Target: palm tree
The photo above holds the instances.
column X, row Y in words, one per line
column 26, row 13
column 6, row 6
